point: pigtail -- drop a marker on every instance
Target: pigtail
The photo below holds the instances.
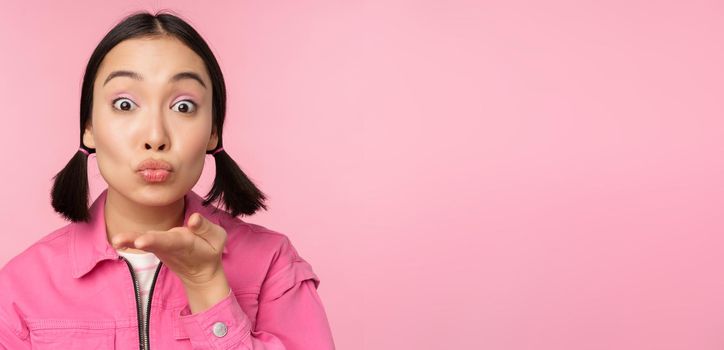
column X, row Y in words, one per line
column 70, row 189
column 236, row 191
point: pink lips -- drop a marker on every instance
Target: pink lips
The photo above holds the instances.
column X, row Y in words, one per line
column 154, row 175
column 154, row 170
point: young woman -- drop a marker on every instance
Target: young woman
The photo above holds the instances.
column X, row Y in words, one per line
column 151, row 264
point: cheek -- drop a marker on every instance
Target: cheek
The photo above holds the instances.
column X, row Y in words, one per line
column 110, row 139
column 111, row 142
column 191, row 145
column 197, row 137
column 106, row 130
column 195, row 133
column 110, row 158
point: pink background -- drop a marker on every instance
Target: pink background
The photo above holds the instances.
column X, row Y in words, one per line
column 460, row 174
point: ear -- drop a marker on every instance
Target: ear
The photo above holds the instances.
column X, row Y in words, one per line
column 88, row 140
column 213, row 140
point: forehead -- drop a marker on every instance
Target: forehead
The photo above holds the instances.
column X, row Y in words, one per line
column 156, row 59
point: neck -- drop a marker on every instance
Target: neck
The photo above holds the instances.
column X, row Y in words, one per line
column 122, row 214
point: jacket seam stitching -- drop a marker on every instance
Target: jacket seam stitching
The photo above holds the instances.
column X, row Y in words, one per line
column 17, row 332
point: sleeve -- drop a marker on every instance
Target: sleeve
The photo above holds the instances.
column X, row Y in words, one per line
column 13, row 330
column 290, row 314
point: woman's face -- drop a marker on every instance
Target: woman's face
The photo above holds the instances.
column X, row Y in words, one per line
column 149, row 111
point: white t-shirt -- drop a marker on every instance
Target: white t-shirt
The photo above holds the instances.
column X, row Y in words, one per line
column 144, row 267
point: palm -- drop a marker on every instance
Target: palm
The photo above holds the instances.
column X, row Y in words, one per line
column 192, row 252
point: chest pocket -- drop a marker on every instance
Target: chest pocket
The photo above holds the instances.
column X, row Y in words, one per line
column 68, row 335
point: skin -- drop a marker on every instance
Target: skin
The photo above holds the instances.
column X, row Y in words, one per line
column 133, row 120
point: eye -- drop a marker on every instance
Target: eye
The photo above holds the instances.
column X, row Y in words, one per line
column 185, row 106
column 124, row 105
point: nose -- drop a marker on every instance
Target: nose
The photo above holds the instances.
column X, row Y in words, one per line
column 156, row 132
column 160, row 147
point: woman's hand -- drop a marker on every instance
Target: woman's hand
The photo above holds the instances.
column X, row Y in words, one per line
column 192, row 252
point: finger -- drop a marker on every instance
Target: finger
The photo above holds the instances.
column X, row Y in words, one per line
column 199, row 225
column 207, row 230
column 125, row 240
column 163, row 241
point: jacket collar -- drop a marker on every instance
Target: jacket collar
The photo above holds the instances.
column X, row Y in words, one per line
column 89, row 242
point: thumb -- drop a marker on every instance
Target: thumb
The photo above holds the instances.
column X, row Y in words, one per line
column 198, row 224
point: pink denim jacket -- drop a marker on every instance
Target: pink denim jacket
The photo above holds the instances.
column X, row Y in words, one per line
column 71, row 290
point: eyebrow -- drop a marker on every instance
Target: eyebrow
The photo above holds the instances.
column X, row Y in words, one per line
column 175, row 78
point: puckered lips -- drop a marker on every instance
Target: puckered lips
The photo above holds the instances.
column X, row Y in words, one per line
column 154, row 170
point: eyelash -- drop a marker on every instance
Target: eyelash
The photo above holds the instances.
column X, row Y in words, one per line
column 113, row 104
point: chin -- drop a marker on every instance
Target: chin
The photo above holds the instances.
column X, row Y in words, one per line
column 153, row 195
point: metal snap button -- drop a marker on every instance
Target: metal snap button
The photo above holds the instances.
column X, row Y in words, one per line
column 220, row 329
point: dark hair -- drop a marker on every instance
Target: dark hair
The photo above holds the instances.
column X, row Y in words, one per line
column 231, row 186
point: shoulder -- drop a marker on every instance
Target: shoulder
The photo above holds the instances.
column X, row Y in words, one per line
column 50, row 248
column 38, row 267
column 270, row 253
column 271, row 245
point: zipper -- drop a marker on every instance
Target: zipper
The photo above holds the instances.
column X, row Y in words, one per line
column 143, row 332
